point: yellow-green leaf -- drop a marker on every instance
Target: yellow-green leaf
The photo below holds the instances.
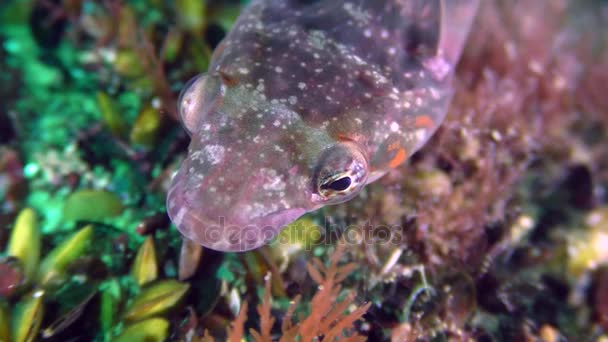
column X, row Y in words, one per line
column 27, row 317
column 5, row 333
column 191, row 14
column 173, row 45
column 111, row 114
column 145, row 268
column 110, row 299
column 157, row 298
column 93, row 205
column 25, row 242
column 146, row 126
column 55, row 264
column 128, row 63
column 300, row 234
column 151, row 330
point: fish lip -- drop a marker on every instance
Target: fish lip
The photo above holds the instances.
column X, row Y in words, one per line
column 221, row 234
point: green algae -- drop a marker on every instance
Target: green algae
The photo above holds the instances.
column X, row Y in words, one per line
column 91, row 205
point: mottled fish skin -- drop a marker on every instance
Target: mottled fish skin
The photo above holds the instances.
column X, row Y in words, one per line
column 304, row 103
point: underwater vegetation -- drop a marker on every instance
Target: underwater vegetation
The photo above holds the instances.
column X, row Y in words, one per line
column 496, row 230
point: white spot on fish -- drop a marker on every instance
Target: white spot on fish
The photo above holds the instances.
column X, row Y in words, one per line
column 420, row 134
column 438, row 67
column 214, row 153
column 394, row 126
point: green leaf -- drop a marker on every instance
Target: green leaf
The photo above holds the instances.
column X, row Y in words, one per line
column 27, row 317
column 110, row 298
column 151, row 330
column 111, row 114
column 5, row 332
column 191, row 14
column 156, row 299
column 55, row 264
column 145, row 267
column 25, row 242
column 146, row 126
column 92, row 205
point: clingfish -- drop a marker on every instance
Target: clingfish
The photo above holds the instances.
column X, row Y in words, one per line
column 306, row 102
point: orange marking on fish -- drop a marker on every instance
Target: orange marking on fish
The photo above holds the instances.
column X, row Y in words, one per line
column 424, row 121
column 228, row 79
column 398, row 159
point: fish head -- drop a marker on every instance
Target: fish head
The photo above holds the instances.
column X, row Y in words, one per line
column 253, row 167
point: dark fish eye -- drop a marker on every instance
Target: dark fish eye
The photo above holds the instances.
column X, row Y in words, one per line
column 340, row 173
column 337, row 185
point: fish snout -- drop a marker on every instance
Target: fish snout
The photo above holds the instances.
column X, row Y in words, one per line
column 228, row 229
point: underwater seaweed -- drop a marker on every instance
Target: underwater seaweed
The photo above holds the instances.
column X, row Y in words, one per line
column 49, row 297
column 328, row 318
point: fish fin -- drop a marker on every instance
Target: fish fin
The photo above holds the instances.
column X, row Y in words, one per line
column 456, row 19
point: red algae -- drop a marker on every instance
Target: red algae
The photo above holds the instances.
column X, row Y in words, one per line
column 523, row 84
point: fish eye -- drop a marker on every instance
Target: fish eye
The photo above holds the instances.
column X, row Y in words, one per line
column 190, row 102
column 196, row 98
column 340, row 173
column 337, row 185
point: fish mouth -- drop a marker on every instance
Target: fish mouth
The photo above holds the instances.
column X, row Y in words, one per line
column 225, row 233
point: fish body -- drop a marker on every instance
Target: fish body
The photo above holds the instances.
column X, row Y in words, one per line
column 306, row 102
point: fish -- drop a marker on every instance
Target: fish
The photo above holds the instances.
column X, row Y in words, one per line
column 303, row 104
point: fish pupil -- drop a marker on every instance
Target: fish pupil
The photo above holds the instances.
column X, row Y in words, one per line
column 338, row 185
